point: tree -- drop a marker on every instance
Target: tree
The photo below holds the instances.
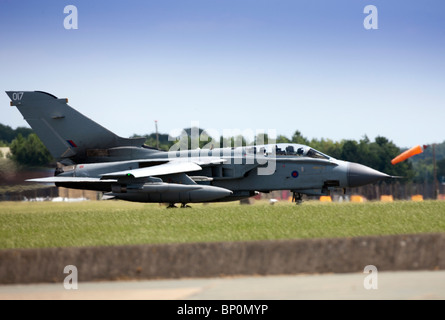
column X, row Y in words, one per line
column 328, row 146
column 7, row 134
column 29, row 151
column 232, row 142
column 150, row 140
column 441, row 170
column 283, row 139
column 379, row 154
column 298, row 138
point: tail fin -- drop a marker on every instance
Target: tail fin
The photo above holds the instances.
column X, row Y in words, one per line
column 64, row 131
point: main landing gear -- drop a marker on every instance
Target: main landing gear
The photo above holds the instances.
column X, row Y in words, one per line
column 297, row 198
column 173, row 206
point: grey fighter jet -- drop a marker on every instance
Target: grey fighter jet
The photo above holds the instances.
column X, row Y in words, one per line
column 91, row 157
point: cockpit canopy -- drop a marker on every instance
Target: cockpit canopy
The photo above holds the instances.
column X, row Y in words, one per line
column 285, row 149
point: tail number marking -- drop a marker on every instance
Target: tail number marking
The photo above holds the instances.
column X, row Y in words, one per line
column 17, row 96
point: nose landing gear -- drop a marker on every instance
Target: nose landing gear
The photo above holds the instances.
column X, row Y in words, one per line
column 297, row 198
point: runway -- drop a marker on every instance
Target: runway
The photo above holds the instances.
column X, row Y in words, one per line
column 417, row 285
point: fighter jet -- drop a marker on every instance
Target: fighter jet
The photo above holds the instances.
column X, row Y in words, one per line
column 91, row 157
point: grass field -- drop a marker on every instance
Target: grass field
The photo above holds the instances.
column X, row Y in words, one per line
column 36, row 225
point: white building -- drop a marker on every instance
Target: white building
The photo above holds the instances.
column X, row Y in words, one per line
column 4, row 152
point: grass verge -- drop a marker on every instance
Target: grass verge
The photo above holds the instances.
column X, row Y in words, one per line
column 38, row 225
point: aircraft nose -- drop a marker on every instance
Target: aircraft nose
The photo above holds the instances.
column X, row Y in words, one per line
column 360, row 175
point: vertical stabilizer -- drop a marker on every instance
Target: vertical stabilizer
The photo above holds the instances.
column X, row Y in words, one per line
column 65, row 132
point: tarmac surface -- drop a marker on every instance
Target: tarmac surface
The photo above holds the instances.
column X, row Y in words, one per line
column 402, row 285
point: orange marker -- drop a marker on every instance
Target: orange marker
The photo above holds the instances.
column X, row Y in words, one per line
column 408, row 154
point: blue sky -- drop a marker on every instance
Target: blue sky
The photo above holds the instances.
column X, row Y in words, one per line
column 234, row 64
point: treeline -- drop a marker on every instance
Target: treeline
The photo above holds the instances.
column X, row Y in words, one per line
column 376, row 154
column 28, row 150
column 423, row 164
column 7, row 134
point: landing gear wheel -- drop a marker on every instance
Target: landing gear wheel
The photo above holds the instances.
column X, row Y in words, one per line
column 184, row 205
column 171, row 206
column 297, row 198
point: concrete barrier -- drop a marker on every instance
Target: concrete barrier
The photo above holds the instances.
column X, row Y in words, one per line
column 387, row 253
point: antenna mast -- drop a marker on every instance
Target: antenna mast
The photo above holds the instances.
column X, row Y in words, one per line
column 157, row 135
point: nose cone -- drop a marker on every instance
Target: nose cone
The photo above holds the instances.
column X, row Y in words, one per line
column 209, row 193
column 360, row 175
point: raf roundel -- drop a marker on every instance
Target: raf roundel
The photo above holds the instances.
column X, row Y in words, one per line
column 294, row 174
